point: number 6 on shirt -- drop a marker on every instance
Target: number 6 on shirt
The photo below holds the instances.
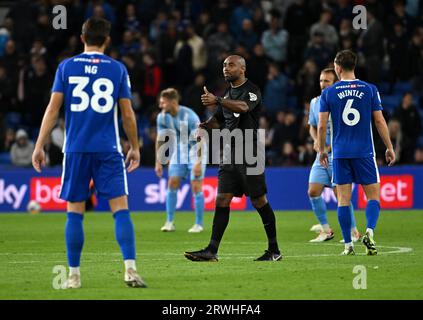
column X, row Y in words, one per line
column 350, row 110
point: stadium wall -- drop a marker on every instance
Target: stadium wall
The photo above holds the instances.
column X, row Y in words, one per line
column 401, row 188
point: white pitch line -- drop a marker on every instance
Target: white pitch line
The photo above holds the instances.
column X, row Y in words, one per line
column 397, row 250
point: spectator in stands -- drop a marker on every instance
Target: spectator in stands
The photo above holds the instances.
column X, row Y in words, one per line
column 307, row 154
column 7, row 91
column 184, row 69
column 38, row 49
column 265, row 124
column 218, row 45
column 165, row 49
column 131, row 21
column 152, row 79
column 145, row 44
column 43, row 31
column 258, row 67
column 307, row 81
column 275, row 39
column 100, row 8
column 159, row 25
column 286, row 129
column 10, row 58
column 5, row 32
column 394, row 127
column 324, row 27
column 129, row 44
column 222, row 11
column 9, row 140
column 21, row 151
column 346, row 31
column 371, row 45
column 135, row 71
column 247, row 36
column 219, row 42
column 148, row 152
column 54, row 155
column 318, row 51
column 239, row 14
column 204, row 26
column 192, row 96
column 418, row 155
column 289, row 156
column 414, row 57
column 297, row 22
column 409, row 119
column 400, row 15
column 73, row 47
column 198, row 47
column 343, row 11
column 259, row 23
column 37, row 85
column 397, row 48
column 274, row 96
column 58, row 133
column 304, row 127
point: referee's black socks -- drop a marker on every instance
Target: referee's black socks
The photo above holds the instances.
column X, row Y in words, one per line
column 220, row 222
column 269, row 222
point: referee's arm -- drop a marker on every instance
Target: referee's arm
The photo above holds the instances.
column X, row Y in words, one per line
column 236, row 106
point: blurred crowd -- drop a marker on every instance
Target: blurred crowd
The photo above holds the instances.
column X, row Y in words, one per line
column 182, row 44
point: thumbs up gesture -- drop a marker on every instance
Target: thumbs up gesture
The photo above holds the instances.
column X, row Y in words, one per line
column 208, row 99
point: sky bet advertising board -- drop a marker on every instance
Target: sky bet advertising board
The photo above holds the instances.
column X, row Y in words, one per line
column 401, row 188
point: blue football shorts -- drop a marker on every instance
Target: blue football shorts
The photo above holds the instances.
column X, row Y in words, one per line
column 182, row 171
column 320, row 174
column 106, row 169
column 358, row 170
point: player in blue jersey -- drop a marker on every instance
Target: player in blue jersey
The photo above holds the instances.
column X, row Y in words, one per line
column 321, row 177
column 351, row 103
column 181, row 123
column 91, row 86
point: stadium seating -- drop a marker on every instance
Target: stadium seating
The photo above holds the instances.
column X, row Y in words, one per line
column 5, row 158
column 402, row 87
column 390, row 102
column 384, row 88
column 13, row 120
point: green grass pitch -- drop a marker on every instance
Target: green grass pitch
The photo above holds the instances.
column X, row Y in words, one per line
column 31, row 245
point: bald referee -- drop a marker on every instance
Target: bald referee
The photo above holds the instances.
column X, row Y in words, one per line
column 238, row 109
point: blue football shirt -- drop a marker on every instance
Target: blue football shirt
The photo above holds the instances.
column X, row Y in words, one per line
column 183, row 125
column 91, row 83
column 313, row 118
column 351, row 104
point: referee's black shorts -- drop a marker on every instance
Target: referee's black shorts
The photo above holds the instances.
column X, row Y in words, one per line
column 234, row 179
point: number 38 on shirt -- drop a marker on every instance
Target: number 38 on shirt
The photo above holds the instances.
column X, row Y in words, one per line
column 102, row 89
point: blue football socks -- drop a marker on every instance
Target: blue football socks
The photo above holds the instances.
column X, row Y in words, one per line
column 199, row 208
column 171, row 198
column 124, row 233
column 74, row 236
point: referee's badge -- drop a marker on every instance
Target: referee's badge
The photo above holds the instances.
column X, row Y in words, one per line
column 253, row 97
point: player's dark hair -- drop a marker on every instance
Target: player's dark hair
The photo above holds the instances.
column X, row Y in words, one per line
column 346, row 59
column 171, row 94
column 332, row 71
column 96, row 31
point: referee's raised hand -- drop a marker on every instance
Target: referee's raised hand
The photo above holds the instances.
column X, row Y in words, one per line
column 208, row 99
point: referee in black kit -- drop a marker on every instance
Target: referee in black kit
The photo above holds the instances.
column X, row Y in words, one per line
column 239, row 109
